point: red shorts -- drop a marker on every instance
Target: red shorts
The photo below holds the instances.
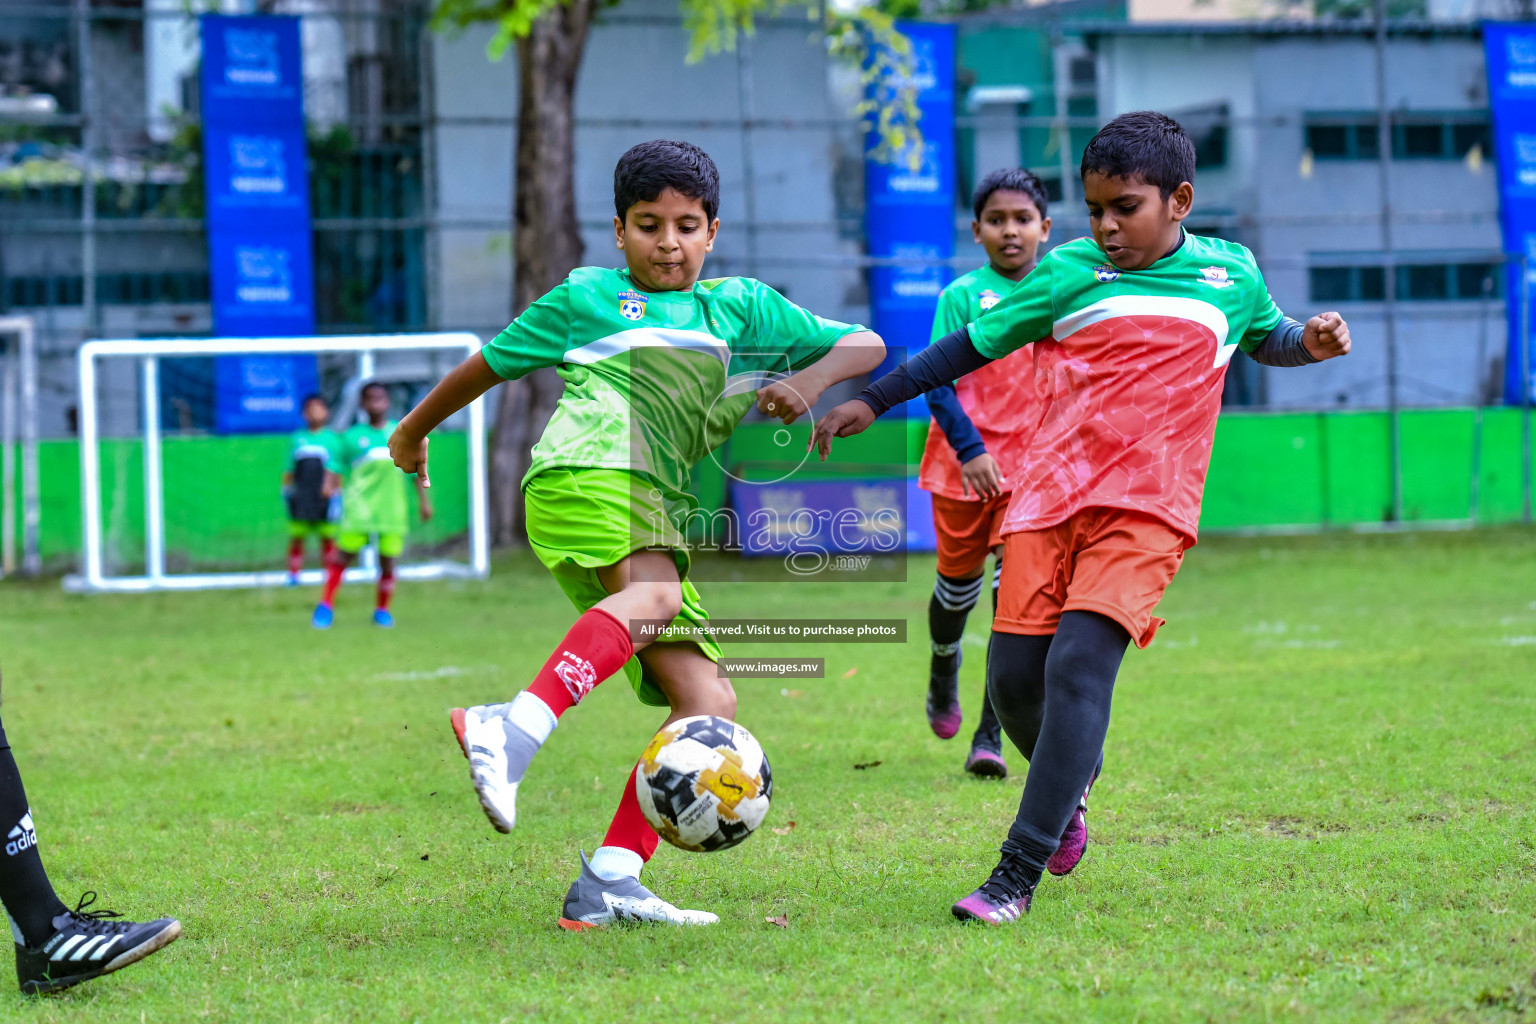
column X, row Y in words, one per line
column 1108, row 560
column 967, row 532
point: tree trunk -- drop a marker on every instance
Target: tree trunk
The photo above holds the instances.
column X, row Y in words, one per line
column 546, row 239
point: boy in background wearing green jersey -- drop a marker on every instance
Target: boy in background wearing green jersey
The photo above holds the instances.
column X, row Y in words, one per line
column 974, row 445
column 311, row 485
column 647, row 354
column 373, row 505
column 1131, row 332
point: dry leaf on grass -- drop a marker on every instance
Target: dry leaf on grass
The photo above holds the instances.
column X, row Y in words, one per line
column 868, row 764
column 850, row 673
column 786, row 830
column 790, row 694
column 782, row 920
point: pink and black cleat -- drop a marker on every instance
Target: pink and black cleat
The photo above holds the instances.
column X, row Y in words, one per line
column 986, row 764
column 1002, row 899
column 1074, row 841
column 944, row 715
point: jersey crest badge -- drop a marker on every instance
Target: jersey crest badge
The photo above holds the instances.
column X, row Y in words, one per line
column 631, row 305
column 1216, row 277
column 988, row 299
column 1105, row 273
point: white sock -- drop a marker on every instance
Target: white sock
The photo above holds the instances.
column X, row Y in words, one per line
column 615, row 862
column 533, row 716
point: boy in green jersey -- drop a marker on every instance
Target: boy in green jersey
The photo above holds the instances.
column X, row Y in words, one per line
column 311, row 485
column 373, row 505
column 974, row 445
column 1131, row 331
column 649, row 355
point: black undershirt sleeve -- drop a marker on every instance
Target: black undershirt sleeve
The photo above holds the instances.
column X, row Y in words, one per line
column 1284, row 346
column 944, row 362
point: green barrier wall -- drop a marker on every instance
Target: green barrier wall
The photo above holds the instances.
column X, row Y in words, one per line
column 1273, row 470
column 223, row 500
column 1268, row 470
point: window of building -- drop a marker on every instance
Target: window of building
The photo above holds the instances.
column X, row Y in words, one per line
column 1417, row 282
column 1417, row 136
column 1353, row 141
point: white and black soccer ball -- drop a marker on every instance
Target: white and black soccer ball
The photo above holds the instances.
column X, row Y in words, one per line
column 703, row 783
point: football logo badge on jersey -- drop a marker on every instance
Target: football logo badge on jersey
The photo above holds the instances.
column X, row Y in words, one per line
column 1216, row 277
column 1104, row 273
column 631, row 305
column 988, row 299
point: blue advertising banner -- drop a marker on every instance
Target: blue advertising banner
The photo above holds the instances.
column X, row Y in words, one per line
column 262, row 390
column 1510, row 50
column 252, row 71
column 263, row 283
column 256, row 183
column 257, row 177
column 910, row 207
column 820, row 517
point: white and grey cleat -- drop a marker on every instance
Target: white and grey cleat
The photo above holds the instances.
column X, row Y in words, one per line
column 595, row 902
column 499, row 753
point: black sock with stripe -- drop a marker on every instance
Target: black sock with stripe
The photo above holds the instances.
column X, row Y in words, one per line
column 948, row 608
column 24, row 887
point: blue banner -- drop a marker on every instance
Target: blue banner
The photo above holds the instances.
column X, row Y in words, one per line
column 256, row 183
column 822, row 517
column 262, row 390
column 909, row 211
column 1510, row 51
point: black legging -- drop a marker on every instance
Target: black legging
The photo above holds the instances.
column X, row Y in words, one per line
column 1052, row 694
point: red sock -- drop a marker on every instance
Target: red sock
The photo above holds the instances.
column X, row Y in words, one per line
column 386, row 589
column 332, row 581
column 327, row 551
column 295, row 554
column 630, row 830
column 595, row 648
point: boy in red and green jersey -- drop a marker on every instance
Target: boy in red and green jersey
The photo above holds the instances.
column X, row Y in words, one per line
column 658, row 367
column 975, row 444
column 1131, row 333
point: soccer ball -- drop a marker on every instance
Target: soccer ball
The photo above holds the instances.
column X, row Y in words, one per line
column 703, row 783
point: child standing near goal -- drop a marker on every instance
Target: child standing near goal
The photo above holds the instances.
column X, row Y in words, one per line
column 312, row 486
column 649, row 355
column 1132, row 330
column 373, row 505
column 974, row 445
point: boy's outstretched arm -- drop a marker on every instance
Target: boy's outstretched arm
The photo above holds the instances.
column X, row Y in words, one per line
column 464, row 383
column 853, row 356
column 1325, row 336
column 948, row 359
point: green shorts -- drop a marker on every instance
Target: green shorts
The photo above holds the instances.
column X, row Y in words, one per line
column 580, row 520
column 311, row 528
column 390, row 544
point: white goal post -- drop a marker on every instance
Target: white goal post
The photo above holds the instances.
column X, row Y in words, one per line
column 148, row 353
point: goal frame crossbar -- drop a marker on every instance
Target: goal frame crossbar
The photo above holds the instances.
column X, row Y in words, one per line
column 148, row 352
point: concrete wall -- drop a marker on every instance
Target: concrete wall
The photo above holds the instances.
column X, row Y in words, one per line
column 636, row 84
column 1294, row 216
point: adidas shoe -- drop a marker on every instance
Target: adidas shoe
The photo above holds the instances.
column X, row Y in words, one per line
column 322, row 617
column 86, row 944
column 499, row 754
column 1074, row 841
column 593, row 902
column 1002, row 899
column 383, row 619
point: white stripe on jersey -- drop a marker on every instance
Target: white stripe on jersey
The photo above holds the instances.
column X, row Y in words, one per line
column 1144, row 305
column 650, row 337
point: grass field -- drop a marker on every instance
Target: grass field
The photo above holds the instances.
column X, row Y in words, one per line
column 1317, row 805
